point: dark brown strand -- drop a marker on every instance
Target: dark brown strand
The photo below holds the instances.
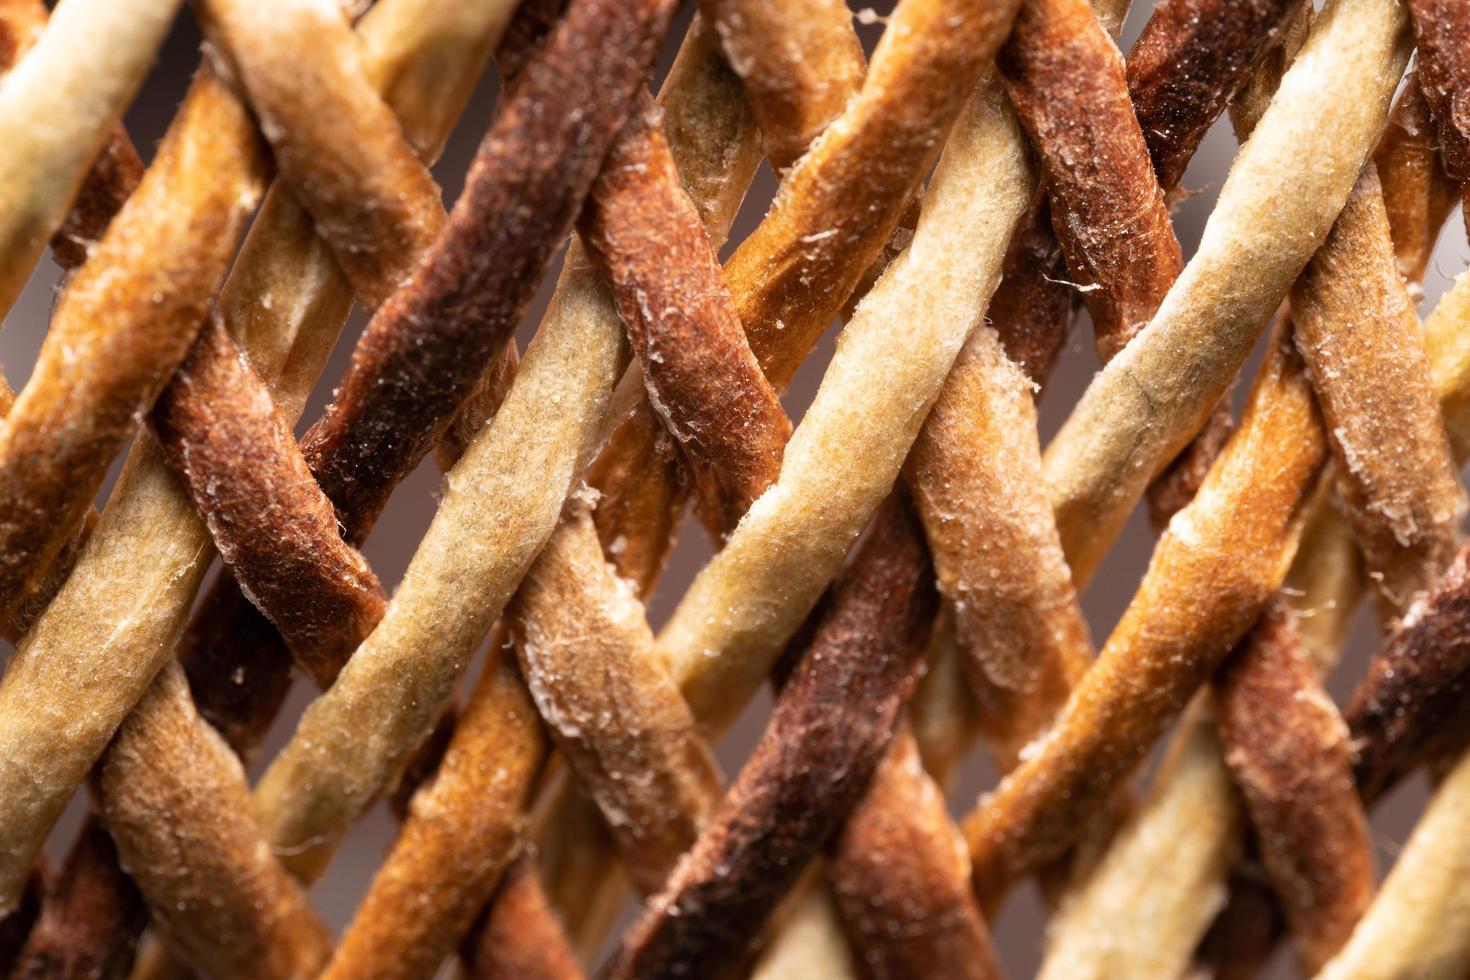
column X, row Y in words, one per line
column 91, row 919
column 522, row 939
column 1416, row 683
column 1442, row 32
column 809, row 770
column 901, row 878
column 533, row 169
column 1187, row 64
column 222, row 435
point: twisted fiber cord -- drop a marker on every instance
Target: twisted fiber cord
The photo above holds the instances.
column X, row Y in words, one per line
column 568, row 714
column 307, row 298
column 61, row 106
column 951, row 205
column 90, row 917
column 1357, row 331
column 727, row 630
column 1211, row 574
column 1026, row 637
column 171, row 240
column 1332, row 291
column 418, row 693
column 1287, row 748
column 1147, row 402
column 426, row 61
column 114, row 172
column 712, row 138
column 524, row 938
column 1364, row 348
column 906, row 78
column 1442, row 32
column 865, row 651
column 123, row 323
column 838, row 44
column 471, row 736
column 574, row 704
column 836, row 208
column 793, row 99
column 515, row 802
column 1007, row 830
column 471, row 910
column 1327, row 579
column 1190, row 821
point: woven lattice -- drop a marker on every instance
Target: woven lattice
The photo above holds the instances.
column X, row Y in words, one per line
column 902, row 565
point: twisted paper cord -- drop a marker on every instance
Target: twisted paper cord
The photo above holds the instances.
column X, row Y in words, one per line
column 91, row 916
column 865, row 651
column 123, row 324
column 1199, row 791
column 534, row 947
column 1210, row 575
column 60, row 107
column 572, row 715
column 226, row 903
column 312, row 301
column 1287, row 748
column 79, row 411
column 1147, row 402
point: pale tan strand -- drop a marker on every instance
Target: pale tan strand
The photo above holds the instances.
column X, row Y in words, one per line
column 807, row 939
column 846, row 453
column 93, row 652
column 945, row 716
column 1447, row 340
column 1327, row 579
column 353, row 741
column 1283, row 193
column 1140, row 913
column 263, row 929
column 1419, row 923
column 57, row 108
column 1327, row 564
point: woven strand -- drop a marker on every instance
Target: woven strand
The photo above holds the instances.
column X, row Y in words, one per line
column 311, row 302
column 832, row 851
column 1211, row 574
column 1272, row 215
column 62, row 105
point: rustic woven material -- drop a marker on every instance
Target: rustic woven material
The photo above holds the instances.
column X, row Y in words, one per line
column 901, row 563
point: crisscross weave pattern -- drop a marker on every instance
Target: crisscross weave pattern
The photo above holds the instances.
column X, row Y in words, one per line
column 902, row 565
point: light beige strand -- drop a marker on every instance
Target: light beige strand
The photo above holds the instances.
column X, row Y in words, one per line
column 57, row 108
column 1283, row 193
column 847, row 451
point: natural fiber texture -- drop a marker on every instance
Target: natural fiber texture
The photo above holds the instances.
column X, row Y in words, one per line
column 1210, row 575
column 731, row 623
column 864, row 654
column 1270, row 218
column 61, row 105
column 1288, row 749
column 1360, row 338
column 122, row 326
column 1414, row 926
column 583, row 758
